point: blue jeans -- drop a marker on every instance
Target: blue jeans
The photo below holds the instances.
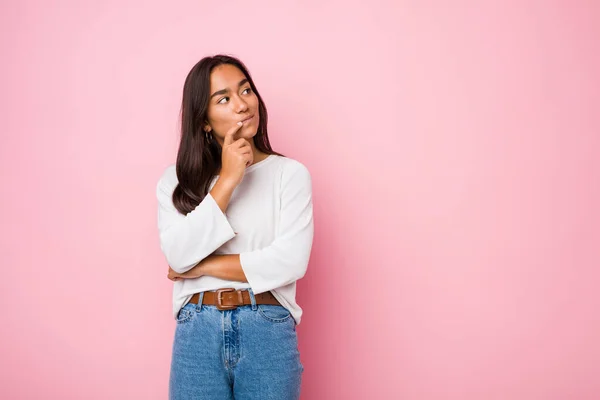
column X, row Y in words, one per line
column 247, row 353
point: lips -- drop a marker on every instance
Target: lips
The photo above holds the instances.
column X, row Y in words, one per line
column 245, row 121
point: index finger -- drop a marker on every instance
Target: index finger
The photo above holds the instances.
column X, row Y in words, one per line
column 229, row 135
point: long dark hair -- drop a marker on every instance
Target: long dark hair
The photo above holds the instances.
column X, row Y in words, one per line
column 199, row 159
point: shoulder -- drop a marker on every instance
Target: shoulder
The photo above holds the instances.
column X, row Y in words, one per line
column 293, row 171
column 292, row 165
column 168, row 178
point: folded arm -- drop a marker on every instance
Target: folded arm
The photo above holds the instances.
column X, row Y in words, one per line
column 222, row 266
column 285, row 260
column 185, row 240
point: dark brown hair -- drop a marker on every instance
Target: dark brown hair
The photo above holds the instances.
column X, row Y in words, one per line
column 199, row 159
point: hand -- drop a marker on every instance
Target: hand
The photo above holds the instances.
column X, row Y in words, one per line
column 172, row 275
column 195, row 272
column 235, row 156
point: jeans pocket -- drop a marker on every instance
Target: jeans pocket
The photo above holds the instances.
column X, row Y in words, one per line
column 186, row 313
column 274, row 313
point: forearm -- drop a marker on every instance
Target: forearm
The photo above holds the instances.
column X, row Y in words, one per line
column 225, row 266
column 221, row 192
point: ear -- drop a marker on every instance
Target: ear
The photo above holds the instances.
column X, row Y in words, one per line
column 207, row 128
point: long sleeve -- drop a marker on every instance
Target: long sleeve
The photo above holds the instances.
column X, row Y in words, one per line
column 185, row 240
column 286, row 259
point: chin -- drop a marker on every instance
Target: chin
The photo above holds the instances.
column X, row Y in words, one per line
column 249, row 134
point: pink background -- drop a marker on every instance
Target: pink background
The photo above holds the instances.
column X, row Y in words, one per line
column 454, row 155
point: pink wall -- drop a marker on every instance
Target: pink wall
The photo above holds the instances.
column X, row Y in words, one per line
column 454, row 154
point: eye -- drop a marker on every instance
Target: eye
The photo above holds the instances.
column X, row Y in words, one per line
column 221, row 101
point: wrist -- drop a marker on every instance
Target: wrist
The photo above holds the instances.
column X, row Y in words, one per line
column 226, row 182
column 196, row 272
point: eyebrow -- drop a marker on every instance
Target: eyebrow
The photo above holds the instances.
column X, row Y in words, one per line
column 223, row 91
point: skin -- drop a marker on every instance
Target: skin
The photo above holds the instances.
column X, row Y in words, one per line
column 230, row 103
column 238, row 103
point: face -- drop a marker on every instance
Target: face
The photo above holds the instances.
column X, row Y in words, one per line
column 232, row 100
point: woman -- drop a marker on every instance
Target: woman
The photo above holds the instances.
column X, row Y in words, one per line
column 236, row 227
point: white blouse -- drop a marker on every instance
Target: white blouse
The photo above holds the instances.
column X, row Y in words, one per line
column 269, row 222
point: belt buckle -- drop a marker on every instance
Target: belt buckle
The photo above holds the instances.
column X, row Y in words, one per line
column 221, row 306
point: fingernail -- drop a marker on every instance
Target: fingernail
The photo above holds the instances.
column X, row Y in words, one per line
column 239, row 123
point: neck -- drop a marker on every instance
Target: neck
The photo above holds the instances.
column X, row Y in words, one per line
column 257, row 155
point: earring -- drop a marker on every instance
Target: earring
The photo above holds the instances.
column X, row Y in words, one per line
column 208, row 135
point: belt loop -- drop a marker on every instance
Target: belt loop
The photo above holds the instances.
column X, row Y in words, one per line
column 200, row 298
column 252, row 299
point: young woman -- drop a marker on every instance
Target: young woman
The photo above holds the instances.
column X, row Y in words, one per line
column 235, row 221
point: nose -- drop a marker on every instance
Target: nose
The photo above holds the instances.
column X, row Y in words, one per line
column 240, row 105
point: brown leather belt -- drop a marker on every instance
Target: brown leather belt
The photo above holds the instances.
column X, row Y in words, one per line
column 230, row 298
